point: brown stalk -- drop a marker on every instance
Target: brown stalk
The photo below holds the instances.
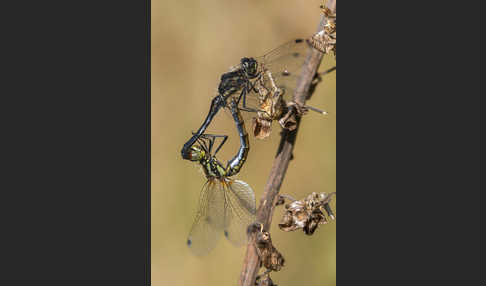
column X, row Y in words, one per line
column 265, row 210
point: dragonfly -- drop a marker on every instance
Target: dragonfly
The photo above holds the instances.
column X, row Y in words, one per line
column 260, row 85
column 226, row 206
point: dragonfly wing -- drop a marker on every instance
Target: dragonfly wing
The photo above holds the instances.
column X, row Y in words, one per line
column 289, row 83
column 290, row 54
column 240, row 210
column 285, row 64
column 208, row 224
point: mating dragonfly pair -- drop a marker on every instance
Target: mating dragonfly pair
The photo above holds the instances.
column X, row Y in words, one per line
column 258, row 86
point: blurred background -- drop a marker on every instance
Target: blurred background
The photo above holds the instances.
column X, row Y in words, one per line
column 193, row 43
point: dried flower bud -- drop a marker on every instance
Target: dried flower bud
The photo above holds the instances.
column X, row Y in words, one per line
column 264, row 280
column 294, row 109
column 261, row 127
column 271, row 105
column 325, row 40
column 270, row 257
column 308, row 213
column 280, row 200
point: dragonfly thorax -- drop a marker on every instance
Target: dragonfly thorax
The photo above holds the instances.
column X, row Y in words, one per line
column 213, row 168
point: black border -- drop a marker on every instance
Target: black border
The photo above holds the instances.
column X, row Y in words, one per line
column 409, row 137
column 75, row 114
column 148, row 269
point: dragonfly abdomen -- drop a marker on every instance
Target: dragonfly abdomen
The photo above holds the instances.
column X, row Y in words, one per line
column 235, row 164
column 216, row 104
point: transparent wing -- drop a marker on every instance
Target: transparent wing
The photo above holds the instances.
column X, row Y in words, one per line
column 209, row 222
column 240, row 210
column 289, row 83
column 285, row 64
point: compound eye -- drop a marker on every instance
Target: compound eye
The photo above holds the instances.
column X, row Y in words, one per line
column 195, row 154
column 254, row 66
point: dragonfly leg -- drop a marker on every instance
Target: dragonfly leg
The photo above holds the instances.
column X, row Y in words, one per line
column 202, row 143
column 252, row 84
column 221, row 144
column 212, row 138
column 243, row 94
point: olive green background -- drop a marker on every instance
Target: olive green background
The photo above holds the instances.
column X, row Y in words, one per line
column 193, row 43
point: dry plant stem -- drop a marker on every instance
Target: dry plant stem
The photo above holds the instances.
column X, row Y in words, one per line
column 270, row 194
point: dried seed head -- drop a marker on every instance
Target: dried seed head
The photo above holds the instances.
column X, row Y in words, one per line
column 261, row 127
column 264, row 280
column 270, row 257
column 325, row 40
column 280, row 200
column 307, row 213
column 271, row 105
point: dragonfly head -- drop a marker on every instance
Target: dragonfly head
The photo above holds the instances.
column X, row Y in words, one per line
column 250, row 67
column 196, row 154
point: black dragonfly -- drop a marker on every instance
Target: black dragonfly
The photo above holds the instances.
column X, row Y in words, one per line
column 280, row 67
